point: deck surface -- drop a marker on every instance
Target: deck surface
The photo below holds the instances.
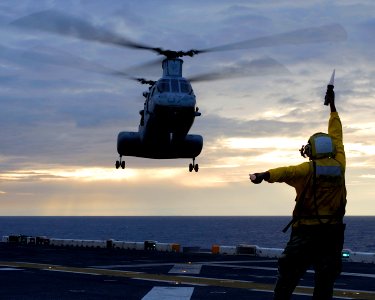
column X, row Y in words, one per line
column 36, row 272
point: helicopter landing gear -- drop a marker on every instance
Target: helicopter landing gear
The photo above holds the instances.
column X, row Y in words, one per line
column 120, row 163
column 193, row 166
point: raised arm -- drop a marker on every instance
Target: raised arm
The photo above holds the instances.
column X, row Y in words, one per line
column 335, row 131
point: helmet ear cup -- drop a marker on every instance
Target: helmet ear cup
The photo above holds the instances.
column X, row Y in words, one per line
column 306, row 150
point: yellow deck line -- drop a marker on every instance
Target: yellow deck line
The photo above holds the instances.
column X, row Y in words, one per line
column 178, row 279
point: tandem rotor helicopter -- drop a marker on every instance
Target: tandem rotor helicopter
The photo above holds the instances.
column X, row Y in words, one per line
column 170, row 107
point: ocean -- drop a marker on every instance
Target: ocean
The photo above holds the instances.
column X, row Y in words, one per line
column 186, row 231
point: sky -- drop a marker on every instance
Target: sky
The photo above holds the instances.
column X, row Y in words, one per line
column 59, row 123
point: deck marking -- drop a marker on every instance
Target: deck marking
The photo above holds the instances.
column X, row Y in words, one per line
column 69, row 271
column 215, row 264
column 238, row 262
column 178, row 279
column 133, row 265
column 169, row 293
column 358, row 274
column 167, row 281
column 242, row 267
column 186, row 269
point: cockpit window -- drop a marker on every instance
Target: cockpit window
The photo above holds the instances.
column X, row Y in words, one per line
column 174, row 86
column 163, row 86
column 185, row 87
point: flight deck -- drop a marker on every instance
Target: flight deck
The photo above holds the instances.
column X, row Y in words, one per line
column 46, row 271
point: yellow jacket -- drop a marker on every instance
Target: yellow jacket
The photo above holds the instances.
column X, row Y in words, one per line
column 300, row 177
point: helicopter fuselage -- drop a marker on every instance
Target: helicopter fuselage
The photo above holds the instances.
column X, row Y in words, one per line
column 168, row 114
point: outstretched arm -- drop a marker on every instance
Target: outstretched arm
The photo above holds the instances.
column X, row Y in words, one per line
column 291, row 175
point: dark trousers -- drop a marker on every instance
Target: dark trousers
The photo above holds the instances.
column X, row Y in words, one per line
column 319, row 246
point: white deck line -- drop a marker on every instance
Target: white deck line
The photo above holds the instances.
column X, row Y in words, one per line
column 169, row 293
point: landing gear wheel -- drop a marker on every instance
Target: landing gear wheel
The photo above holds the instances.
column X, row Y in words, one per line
column 120, row 163
column 193, row 166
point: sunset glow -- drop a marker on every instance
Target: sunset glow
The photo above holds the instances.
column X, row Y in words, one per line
column 60, row 117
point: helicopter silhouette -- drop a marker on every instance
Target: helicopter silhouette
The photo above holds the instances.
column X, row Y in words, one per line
column 170, row 107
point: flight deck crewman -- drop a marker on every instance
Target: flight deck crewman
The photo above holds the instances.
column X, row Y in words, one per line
column 317, row 235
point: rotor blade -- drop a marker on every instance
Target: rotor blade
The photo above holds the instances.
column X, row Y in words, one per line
column 152, row 68
column 53, row 56
column 57, row 22
column 326, row 33
column 257, row 67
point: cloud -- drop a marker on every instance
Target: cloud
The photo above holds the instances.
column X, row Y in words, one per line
column 216, row 126
column 59, row 118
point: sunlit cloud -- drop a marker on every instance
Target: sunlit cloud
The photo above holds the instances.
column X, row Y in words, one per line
column 161, row 174
column 364, row 128
column 175, row 176
column 286, row 148
column 263, row 143
column 79, row 174
column 270, row 151
column 359, row 150
column 95, row 174
column 281, row 158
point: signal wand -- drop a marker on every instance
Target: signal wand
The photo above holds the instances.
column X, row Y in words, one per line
column 330, row 93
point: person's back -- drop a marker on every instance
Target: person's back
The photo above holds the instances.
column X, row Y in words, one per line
column 317, row 225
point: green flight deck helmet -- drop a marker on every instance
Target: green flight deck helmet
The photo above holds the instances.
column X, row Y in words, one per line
column 320, row 145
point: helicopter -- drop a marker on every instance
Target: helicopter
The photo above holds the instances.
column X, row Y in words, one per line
column 168, row 114
column 169, row 108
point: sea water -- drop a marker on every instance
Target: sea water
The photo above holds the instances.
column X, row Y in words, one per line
column 187, row 231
